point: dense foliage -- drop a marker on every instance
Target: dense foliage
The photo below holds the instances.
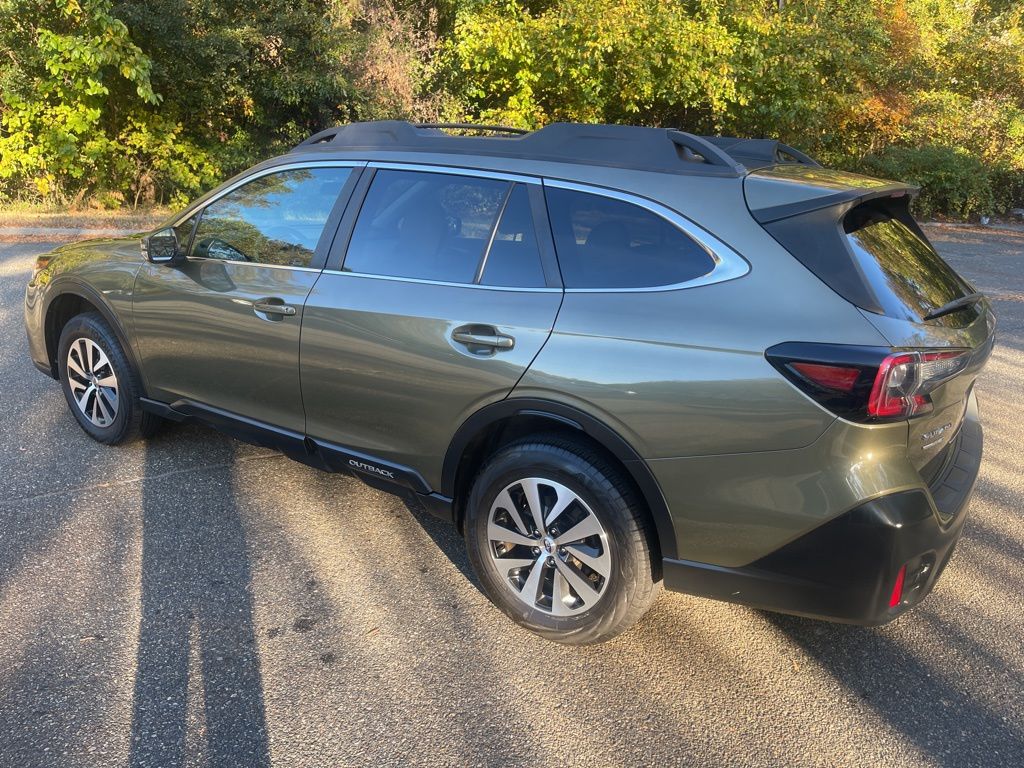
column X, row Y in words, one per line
column 128, row 102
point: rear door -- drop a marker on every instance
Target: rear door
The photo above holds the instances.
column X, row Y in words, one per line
column 441, row 290
column 221, row 330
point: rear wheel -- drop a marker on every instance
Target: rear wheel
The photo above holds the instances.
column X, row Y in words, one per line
column 100, row 384
column 560, row 540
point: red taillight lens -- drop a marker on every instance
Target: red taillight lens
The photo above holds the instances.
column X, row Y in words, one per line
column 894, row 383
column 904, row 380
column 867, row 383
column 835, row 377
column 897, row 591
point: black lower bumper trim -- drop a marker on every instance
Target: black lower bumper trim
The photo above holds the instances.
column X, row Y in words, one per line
column 843, row 571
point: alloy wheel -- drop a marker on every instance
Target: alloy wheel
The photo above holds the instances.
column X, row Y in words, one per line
column 93, row 381
column 548, row 546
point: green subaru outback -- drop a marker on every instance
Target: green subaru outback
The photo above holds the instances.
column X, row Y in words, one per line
column 612, row 356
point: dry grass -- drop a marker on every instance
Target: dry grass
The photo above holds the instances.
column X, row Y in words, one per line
column 39, row 216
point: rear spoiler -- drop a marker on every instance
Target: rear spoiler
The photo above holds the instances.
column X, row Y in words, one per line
column 782, row 192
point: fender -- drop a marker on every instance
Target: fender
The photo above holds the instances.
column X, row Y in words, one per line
column 76, row 287
column 577, row 419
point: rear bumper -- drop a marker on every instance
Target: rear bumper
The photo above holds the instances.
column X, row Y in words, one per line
column 846, row 569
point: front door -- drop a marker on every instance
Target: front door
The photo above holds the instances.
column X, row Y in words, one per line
column 221, row 330
column 445, row 297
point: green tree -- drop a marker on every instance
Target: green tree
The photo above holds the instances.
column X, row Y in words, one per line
column 640, row 61
column 247, row 79
column 76, row 93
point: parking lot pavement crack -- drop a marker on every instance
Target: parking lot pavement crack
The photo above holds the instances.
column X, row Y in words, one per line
column 141, row 479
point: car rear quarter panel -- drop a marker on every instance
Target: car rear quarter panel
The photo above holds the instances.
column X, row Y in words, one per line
column 744, row 460
column 682, row 372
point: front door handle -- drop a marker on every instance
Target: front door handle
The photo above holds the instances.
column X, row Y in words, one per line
column 482, row 339
column 269, row 308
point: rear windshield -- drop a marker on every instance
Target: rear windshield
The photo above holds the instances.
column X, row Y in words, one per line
column 905, row 273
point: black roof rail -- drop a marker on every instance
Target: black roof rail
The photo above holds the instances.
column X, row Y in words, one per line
column 474, row 127
column 666, row 150
column 757, row 153
column 700, row 146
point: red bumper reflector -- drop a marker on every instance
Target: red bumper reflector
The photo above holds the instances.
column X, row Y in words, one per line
column 897, row 590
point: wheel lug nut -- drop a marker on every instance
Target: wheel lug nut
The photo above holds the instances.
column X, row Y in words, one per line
column 561, row 551
column 536, row 550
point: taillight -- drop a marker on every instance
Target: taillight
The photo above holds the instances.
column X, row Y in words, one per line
column 867, row 383
column 828, row 376
column 905, row 379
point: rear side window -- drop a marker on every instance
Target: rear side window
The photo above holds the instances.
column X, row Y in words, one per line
column 429, row 226
column 274, row 219
column 906, row 275
column 603, row 242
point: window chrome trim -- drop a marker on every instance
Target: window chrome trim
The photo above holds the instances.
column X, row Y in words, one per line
column 453, row 170
column 482, row 264
column 201, row 209
column 190, row 212
column 202, row 260
column 422, row 281
column 728, row 264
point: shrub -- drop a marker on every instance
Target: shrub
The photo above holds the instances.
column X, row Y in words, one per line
column 953, row 182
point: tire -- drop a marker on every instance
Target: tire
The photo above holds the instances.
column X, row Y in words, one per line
column 620, row 586
column 89, row 354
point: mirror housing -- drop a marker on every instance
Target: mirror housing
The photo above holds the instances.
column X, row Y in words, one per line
column 161, row 247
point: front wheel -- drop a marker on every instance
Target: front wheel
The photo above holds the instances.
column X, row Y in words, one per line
column 100, row 384
column 560, row 540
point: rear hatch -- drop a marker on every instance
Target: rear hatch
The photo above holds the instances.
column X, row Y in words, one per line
column 858, row 236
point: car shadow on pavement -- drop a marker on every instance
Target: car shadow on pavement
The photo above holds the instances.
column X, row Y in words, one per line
column 911, row 696
column 926, row 704
column 447, row 538
column 198, row 694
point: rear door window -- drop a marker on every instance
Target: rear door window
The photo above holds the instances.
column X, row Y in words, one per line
column 603, row 242
column 905, row 273
column 430, row 226
column 513, row 260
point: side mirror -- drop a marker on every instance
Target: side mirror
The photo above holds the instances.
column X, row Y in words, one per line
column 161, row 247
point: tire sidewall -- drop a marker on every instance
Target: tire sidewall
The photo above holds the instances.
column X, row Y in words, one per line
column 88, row 327
column 595, row 489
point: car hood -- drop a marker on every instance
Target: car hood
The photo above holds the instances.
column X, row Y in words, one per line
column 88, row 255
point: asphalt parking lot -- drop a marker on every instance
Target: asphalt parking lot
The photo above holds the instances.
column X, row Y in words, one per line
column 197, row 601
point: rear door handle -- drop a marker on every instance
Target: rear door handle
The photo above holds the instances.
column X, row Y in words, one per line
column 484, row 336
column 269, row 308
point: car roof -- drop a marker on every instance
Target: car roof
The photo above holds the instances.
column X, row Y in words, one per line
column 660, row 150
